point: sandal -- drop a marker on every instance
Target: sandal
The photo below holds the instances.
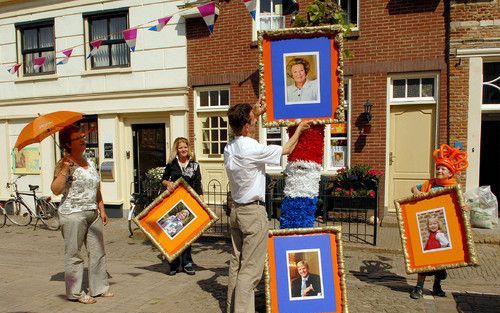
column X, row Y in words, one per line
column 86, row 299
column 107, row 294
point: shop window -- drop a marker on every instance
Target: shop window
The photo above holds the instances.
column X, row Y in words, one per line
column 37, row 40
column 212, row 104
column 491, row 83
column 113, row 52
column 413, row 88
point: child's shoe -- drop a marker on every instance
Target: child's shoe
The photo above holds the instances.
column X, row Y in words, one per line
column 438, row 291
column 417, row 293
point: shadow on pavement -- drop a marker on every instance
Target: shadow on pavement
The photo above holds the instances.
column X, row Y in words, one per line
column 475, row 302
column 378, row 272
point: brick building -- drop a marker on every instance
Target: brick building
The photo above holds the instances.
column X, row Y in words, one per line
column 475, row 87
column 398, row 63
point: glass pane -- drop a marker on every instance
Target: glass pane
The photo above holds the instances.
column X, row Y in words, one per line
column 119, row 54
column 398, row 90
column 204, row 123
column 116, row 26
column 223, row 135
column 46, row 36
column 98, row 29
column 223, row 123
column 101, row 58
column 205, row 135
column 214, row 98
column 206, row 149
column 214, row 122
column 28, row 63
column 50, row 64
column 222, row 146
column 491, row 83
column 414, row 87
column 215, row 148
column 224, row 97
column 265, row 6
column 203, row 99
column 30, row 39
column 214, row 135
column 427, row 87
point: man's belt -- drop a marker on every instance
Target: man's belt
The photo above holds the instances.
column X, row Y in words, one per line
column 257, row 202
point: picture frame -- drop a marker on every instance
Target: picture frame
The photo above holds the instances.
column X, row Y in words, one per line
column 175, row 219
column 26, row 161
column 435, row 231
column 301, row 75
column 314, row 253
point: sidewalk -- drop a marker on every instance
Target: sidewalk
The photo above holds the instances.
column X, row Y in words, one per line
column 32, row 279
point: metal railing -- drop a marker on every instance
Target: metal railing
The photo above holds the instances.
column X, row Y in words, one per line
column 352, row 214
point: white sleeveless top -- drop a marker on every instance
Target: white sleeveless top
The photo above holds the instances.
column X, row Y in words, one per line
column 80, row 191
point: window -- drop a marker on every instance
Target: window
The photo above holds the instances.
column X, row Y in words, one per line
column 113, row 52
column 350, row 8
column 269, row 15
column 413, row 88
column 37, row 40
column 212, row 125
column 491, row 83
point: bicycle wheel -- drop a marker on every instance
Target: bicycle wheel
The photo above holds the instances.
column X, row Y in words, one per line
column 47, row 213
column 3, row 217
column 17, row 213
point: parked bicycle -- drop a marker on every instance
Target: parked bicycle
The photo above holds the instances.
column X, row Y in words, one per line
column 20, row 213
column 139, row 201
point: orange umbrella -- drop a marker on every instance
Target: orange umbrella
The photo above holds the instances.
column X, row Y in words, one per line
column 44, row 126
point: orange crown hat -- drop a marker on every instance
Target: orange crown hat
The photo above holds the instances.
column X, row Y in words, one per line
column 453, row 158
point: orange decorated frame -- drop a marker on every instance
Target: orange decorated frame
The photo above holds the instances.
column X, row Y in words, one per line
column 446, row 207
column 267, row 70
column 335, row 276
column 183, row 196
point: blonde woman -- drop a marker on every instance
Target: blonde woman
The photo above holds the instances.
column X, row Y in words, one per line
column 182, row 163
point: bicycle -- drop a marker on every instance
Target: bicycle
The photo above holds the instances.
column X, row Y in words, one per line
column 20, row 213
column 139, row 201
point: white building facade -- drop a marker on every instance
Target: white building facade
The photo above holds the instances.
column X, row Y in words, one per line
column 135, row 101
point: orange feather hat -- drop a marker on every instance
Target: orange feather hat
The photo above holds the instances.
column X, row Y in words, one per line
column 453, row 158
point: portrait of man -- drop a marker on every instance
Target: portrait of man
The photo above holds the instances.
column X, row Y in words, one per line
column 308, row 284
column 302, row 86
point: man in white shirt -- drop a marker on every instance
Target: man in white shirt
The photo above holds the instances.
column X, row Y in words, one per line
column 245, row 160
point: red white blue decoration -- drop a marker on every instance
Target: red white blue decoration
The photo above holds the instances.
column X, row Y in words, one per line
column 39, row 62
column 14, row 68
column 207, row 11
column 161, row 23
column 96, row 44
column 302, row 177
column 130, row 36
column 67, row 54
column 251, row 7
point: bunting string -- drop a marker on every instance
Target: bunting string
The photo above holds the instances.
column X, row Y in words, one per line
column 206, row 9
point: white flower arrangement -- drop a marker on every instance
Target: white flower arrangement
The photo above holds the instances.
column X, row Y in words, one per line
column 154, row 175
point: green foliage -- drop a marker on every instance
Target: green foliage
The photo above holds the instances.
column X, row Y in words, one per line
column 358, row 181
column 323, row 12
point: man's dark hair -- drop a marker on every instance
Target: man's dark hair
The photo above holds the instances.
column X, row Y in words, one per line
column 238, row 116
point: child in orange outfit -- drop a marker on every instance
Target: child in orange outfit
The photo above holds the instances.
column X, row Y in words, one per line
column 448, row 161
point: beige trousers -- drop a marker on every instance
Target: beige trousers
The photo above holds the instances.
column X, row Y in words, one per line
column 77, row 229
column 249, row 230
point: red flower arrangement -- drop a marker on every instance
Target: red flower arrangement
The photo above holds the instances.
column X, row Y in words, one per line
column 357, row 181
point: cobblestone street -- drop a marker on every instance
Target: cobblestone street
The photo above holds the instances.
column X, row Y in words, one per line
column 31, row 275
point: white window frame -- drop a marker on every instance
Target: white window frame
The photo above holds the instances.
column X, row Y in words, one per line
column 489, row 106
column 204, row 112
column 357, row 15
column 410, row 100
column 256, row 22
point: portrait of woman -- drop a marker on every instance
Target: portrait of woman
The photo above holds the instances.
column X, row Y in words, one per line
column 301, row 85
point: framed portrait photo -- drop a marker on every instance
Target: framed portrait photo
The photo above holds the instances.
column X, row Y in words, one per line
column 435, row 231
column 305, row 271
column 175, row 219
column 301, row 75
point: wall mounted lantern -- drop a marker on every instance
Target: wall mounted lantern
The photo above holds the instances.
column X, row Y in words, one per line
column 368, row 110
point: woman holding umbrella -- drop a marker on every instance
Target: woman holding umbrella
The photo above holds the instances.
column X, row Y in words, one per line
column 82, row 216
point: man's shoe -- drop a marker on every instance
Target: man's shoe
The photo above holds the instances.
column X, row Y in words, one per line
column 438, row 291
column 416, row 293
column 189, row 270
